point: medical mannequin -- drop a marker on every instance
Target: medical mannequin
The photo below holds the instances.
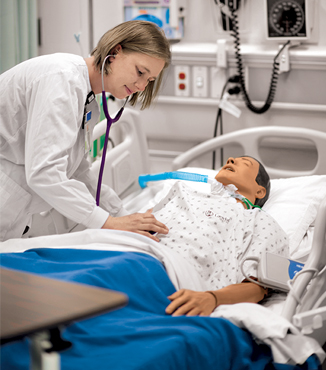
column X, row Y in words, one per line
column 43, row 132
column 242, row 173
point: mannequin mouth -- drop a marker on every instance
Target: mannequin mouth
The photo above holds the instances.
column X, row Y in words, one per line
column 228, row 168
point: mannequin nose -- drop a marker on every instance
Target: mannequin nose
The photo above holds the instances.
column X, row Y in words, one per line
column 230, row 160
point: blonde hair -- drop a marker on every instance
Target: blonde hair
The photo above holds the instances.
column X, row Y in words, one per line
column 135, row 37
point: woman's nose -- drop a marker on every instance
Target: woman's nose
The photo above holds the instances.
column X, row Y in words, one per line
column 141, row 85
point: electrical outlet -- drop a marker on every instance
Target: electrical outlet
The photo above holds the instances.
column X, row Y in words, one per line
column 199, row 82
column 182, row 80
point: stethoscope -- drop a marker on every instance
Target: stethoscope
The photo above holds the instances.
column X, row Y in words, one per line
column 109, row 121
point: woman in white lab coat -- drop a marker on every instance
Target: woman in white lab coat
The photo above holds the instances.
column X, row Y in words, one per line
column 42, row 136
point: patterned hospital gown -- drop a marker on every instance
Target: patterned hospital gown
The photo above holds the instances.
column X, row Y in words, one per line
column 214, row 232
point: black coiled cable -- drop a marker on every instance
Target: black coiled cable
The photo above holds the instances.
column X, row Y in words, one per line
column 274, row 77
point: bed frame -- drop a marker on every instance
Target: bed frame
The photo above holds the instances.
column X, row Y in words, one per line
column 250, row 139
column 310, row 322
column 130, row 158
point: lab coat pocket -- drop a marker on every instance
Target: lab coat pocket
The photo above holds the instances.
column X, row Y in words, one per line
column 13, row 203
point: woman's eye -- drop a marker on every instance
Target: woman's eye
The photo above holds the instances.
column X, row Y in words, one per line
column 139, row 72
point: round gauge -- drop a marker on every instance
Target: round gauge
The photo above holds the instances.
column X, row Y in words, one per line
column 286, row 17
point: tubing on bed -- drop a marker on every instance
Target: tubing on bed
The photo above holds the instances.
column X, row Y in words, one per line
column 176, row 175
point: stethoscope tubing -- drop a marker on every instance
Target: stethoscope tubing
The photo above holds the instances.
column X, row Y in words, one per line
column 109, row 121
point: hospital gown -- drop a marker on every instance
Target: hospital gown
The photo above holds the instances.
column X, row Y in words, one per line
column 214, row 233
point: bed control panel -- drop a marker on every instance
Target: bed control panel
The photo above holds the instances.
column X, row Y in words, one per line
column 275, row 271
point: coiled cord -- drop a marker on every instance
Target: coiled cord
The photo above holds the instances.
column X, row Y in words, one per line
column 274, row 77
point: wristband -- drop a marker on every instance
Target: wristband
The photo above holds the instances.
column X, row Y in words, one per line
column 213, row 296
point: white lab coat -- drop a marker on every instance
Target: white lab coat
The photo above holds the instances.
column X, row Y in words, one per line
column 43, row 164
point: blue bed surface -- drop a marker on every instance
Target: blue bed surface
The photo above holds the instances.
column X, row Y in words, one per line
column 141, row 335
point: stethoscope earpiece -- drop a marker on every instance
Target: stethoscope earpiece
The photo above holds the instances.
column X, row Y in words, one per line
column 102, row 70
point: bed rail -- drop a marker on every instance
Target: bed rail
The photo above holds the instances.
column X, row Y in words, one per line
column 316, row 260
column 250, row 138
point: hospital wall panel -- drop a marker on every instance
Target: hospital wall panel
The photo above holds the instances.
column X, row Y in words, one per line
column 184, row 121
column 64, row 26
column 175, row 123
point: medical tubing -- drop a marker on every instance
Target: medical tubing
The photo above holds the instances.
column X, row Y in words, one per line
column 176, row 175
column 274, row 76
column 248, row 203
column 232, row 79
column 108, row 126
column 255, row 259
column 217, row 120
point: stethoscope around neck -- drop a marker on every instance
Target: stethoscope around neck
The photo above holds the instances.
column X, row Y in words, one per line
column 109, row 121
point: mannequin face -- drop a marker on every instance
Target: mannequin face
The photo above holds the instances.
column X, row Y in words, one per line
column 242, row 173
column 131, row 72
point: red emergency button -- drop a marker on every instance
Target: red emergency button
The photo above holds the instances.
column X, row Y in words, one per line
column 182, row 86
column 182, row 76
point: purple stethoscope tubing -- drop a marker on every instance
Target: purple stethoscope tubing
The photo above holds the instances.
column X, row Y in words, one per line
column 109, row 121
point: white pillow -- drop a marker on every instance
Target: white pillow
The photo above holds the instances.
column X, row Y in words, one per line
column 294, row 203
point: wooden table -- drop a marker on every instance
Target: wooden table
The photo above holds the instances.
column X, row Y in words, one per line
column 32, row 304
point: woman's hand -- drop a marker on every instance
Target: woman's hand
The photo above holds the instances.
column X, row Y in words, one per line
column 140, row 223
column 191, row 303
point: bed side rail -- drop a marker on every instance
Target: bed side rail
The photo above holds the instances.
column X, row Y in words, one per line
column 249, row 139
column 316, row 260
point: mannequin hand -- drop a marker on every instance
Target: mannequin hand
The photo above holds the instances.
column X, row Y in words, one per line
column 140, row 223
column 190, row 303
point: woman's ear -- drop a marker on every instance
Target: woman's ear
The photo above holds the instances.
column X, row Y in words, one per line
column 116, row 49
column 261, row 192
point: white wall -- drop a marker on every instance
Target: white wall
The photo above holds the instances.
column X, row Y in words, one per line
column 175, row 124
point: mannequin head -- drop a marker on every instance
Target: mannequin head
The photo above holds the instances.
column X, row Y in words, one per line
column 249, row 176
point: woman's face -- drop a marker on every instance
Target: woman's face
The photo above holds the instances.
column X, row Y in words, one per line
column 131, row 72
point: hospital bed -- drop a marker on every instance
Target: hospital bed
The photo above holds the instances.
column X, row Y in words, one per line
column 141, row 335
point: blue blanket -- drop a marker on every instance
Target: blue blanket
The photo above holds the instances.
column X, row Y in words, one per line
column 140, row 335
